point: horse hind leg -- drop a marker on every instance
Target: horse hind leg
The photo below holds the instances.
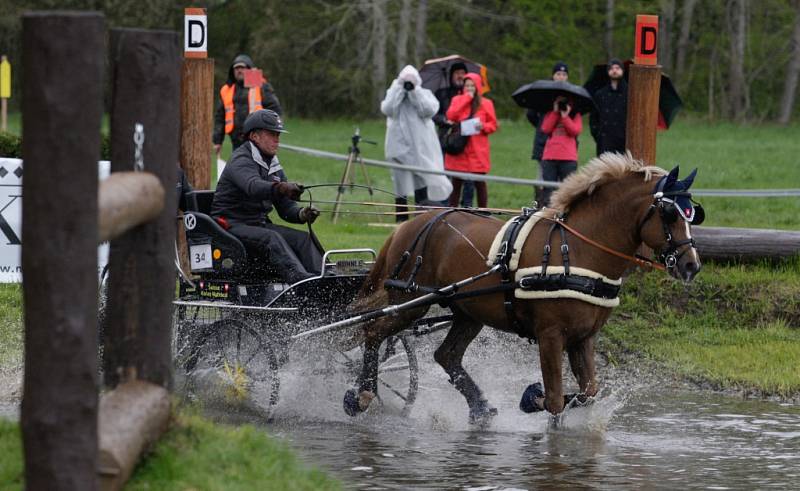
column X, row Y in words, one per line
column 450, row 355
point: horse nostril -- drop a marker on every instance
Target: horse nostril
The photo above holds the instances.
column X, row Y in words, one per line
column 690, row 269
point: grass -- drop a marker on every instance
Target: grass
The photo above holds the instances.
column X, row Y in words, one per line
column 734, row 327
column 196, row 454
column 10, row 325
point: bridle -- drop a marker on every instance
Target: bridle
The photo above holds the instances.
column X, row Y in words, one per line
column 669, row 212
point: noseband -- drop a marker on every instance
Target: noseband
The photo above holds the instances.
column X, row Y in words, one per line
column 665, row 205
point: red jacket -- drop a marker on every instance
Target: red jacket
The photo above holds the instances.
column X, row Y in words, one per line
column 563, row 141
column 475, row 157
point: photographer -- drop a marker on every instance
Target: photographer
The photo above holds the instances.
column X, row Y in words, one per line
column 560, row 156
column 411, row 140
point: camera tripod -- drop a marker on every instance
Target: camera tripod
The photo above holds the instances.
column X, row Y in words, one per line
column 353, row 157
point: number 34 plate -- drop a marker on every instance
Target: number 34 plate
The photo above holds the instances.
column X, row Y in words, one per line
column 201, row 257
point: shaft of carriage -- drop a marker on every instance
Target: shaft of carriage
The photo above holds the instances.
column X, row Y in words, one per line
column 427, row 299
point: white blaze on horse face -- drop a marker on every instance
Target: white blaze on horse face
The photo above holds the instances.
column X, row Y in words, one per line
column 695, row 256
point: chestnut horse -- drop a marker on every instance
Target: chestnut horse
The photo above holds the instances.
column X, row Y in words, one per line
column 613, row 201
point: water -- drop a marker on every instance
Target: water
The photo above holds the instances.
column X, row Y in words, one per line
column 638, row 435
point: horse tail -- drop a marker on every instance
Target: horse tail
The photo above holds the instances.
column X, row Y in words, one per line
column 372, row 295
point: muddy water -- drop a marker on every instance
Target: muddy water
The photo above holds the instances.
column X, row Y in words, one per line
column 638, row 434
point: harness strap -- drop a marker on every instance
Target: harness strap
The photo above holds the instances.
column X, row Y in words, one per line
column 638, row 260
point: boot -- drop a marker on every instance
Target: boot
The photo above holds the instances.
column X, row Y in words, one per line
column 401, row 206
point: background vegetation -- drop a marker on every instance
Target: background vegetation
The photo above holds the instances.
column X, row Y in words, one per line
column 730, row 59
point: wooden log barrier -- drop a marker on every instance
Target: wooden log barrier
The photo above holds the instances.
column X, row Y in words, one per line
column 145, row 132
column 745, row 244
column 132, row 418
column 62, row 104
column 126, row 200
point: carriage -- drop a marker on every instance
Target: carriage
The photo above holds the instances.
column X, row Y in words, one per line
column 551, row 275
column 236, row 320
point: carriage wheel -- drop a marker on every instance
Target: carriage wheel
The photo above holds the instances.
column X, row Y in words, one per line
column 233, row 354
column 398, row 372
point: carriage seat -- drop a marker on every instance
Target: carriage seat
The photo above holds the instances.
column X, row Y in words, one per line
column 214, row 252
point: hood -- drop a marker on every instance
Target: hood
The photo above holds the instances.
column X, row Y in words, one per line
column 477, row 79
column 242, row 58
column 410, row 74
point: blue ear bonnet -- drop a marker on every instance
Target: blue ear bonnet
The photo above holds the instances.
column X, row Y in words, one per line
column 675, row 191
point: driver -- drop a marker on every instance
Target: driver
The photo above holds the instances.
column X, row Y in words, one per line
column 251, row 185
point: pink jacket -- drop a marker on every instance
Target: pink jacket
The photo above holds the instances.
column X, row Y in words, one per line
column 563, row 132
column 475, row 157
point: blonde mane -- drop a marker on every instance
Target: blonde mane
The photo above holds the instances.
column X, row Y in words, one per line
column 600, row 170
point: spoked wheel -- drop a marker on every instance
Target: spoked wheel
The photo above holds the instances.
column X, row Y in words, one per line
column 398, row 372
column 231, row 356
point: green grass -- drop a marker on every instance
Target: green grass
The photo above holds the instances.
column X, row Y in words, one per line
column 196, row 454
column 735, row 326
column 10, row 325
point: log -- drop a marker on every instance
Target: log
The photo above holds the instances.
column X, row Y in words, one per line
column 132, row 418
column 146, row 66
column 126, row 200
column 61, row 147
column 745, row 244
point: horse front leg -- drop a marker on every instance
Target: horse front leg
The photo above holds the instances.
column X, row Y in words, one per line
column 450, row 356
column 551, row 348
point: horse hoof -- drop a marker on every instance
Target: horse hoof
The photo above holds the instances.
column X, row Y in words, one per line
column 528, row 402
column 482, row 414
column 351, row 406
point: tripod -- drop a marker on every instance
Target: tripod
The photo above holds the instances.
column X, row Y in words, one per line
column 353, row 157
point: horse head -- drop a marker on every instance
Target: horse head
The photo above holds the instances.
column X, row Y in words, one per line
column 666, row 227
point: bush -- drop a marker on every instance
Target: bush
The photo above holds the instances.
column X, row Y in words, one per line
column 11, row 146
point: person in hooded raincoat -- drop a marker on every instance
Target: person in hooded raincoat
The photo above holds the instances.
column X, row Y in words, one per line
column 235, row 102
column 476, row 155
column 411, row 140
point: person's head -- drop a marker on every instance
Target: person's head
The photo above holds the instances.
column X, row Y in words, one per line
column 560, row 72
column 458, row 71
column 240, row 64
column 264, row 128
column 616, row 70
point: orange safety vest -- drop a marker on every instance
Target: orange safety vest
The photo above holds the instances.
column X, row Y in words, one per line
column 253, row 103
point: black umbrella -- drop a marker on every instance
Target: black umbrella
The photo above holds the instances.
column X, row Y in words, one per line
column 669, row 102
column 435, row 72
column 540, row 95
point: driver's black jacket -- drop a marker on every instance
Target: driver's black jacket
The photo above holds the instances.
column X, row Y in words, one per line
column 246, row 189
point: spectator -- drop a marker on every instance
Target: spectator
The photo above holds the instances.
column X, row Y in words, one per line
column 411, row 140
column 607, row 124
column 458, row 71
column 476, row 155
column 560, row 155
column 560, row 74
column 237, row 101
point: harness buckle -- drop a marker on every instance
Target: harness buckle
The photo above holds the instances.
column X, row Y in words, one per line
column 564, row 249
column 670, row 260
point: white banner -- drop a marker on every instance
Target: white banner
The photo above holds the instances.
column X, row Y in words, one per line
column 11, row 220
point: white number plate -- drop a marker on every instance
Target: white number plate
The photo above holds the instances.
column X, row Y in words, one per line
column 201, row 257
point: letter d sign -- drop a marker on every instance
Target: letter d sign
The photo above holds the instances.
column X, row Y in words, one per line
column 195, row 41
column 646, row 40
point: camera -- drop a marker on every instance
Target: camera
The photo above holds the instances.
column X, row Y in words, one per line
column 562, row 105
column 408, row 85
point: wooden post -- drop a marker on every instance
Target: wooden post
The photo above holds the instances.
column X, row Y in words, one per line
column 644, row 82
column 197, row 111
column 61, row 147
column 145, row 129
column 640, row 133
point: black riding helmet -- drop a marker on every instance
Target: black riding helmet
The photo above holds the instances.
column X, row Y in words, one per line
column 263, row 119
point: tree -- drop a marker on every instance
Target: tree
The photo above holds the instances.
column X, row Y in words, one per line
column 736, row 15
column 792, row 71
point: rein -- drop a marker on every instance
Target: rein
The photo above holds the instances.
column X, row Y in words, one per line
column 638, row 260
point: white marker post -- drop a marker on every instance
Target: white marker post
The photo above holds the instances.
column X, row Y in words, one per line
column 5, row 91
column 195, row 29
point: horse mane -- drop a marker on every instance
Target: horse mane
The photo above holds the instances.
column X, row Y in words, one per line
column 608, row 167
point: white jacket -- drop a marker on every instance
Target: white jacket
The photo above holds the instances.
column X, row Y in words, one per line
column 411, row 136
